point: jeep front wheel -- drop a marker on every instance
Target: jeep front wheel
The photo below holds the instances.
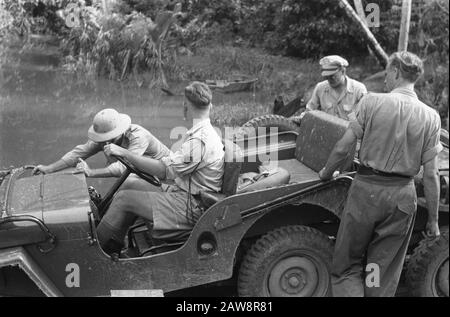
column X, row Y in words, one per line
column 292, row 261
column 427, row 271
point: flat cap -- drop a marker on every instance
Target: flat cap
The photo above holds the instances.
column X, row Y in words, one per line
column 331, row 64
column 198, row 94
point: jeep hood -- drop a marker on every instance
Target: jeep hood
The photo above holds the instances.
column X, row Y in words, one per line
column 37, row 195
column 59, row 200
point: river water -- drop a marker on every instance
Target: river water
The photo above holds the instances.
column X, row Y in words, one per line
column 45, row 112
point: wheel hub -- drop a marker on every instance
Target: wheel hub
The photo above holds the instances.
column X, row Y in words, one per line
column 293, row 276
column 293, row 281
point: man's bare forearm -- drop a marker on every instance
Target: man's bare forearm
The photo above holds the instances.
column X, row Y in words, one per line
column 100, row 172
column 147, row 164
column 432, row 188
column 339, row 155
column 432, row 193
column 334, row 162
column 57, row 166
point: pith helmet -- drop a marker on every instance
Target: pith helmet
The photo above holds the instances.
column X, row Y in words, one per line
column 108, row 124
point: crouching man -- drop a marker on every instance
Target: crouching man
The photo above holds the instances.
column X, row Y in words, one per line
column 108, row 127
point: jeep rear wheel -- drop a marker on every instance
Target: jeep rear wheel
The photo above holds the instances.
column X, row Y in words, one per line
column 427, row 271
column 291, row 261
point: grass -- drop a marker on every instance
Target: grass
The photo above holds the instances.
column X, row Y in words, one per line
column 236, row 114
column 278, row 75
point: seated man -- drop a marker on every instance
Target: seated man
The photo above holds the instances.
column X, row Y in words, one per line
column 338, row 95
column 197, row 166
column 108, row 126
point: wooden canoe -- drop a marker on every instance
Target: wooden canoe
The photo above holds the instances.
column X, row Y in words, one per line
column 229, row 86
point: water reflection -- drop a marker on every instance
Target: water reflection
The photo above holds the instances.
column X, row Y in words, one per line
column 44, row 113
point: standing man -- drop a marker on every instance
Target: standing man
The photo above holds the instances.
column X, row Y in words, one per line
column 399, row 135
column 338, row 94
column 109, row 127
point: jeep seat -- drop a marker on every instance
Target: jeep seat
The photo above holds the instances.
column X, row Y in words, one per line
column 249, row 182
column 319, row 133
column 236, row 183
column 231, row 170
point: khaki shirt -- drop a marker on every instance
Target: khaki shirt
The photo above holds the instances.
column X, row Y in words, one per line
column 399, row 133
column 200, row 158
column 326, row 99
column 136, row 140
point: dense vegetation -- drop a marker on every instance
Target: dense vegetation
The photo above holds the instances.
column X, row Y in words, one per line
column 144, row 41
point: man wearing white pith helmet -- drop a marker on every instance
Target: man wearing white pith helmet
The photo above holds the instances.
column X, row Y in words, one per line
column 109, row 127
column 338, row 94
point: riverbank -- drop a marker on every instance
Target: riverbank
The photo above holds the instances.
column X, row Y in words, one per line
column 277, row 76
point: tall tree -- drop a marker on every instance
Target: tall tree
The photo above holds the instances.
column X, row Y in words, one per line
column 380, row 54
column 404, row 26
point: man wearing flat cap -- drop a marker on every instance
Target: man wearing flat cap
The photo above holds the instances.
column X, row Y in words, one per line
column 108, row 126
column 197, row 166
column 338, row 95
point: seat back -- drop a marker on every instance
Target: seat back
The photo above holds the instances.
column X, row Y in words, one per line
column 232, row 167
column 319, row 133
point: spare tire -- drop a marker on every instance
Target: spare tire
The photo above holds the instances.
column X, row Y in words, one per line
column 250, row 128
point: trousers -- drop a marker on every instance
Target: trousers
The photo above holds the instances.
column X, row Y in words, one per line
column 166, row 208
column 373, row 237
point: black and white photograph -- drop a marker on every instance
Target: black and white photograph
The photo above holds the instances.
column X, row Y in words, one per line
column 221, row 154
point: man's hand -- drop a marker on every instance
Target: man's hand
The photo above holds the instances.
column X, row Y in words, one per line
column 114, row 150
column 82, row 166
column 41, row 169
column 432, row 229
column 324, row 175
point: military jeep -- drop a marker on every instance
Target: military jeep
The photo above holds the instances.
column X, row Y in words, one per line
column 274, row 236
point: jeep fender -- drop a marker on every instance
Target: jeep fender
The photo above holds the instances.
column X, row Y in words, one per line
column 19, row 257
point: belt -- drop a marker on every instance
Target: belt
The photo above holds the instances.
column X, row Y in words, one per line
column 365, row 170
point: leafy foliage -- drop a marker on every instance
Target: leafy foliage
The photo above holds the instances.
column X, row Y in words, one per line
column 134, row 41
column 117, row 45
column 430, row 38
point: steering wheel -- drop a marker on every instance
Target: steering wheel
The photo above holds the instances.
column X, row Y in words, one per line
column 147, row 177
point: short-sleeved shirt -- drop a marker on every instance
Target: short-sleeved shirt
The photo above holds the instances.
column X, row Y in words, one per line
column 399, row 133
column 137, row 140
column 326, row 99
column 200, row 159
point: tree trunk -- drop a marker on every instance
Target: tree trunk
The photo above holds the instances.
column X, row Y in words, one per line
column 362, row 14
column 404, row 27
column 380, row 54
column 360, row 10
column 105, row 6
